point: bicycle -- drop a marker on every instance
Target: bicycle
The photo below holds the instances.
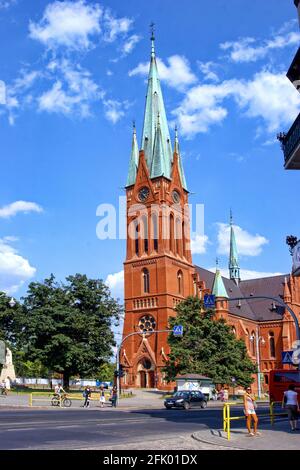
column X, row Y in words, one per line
column 62, row 400
column 4, row 392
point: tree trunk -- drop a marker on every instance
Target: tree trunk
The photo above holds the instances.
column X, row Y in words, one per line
column 66, row 380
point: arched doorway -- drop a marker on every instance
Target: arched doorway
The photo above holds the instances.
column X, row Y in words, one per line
column 145, row 373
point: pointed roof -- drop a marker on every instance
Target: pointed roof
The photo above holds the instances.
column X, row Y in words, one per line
column 158, row 165
column 219, row 289
column 154, row 107
column 134, row 160
column 177, row 151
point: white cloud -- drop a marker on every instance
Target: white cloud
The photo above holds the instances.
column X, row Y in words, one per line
column 130, row 44
column 250, row 50
column 115, row 282
column 115, row 26
column 14, row 268
column 176, row 74
column 267, row 96
column 70, row 24
column 19, row 206
column 115, row 110
column 73, row 91
column 198, row 244
column 206, row 69
column 246, row 273
column 247, row 244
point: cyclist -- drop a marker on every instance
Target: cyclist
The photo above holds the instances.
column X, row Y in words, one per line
column 58, row 391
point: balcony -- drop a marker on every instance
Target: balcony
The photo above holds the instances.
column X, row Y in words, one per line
column 290, row 144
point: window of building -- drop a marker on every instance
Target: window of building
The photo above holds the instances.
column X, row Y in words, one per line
column 136, row 238
column 155, row 231
column 180, row 282
column 272, row 344
column 146, row 280
column 172, row 233
column 145, row 234
column 266, row 379
column 234, row 330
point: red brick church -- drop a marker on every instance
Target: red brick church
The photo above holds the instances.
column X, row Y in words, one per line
column 159, row 271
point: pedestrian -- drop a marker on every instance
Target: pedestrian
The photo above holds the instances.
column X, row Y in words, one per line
column 87, row 396
column 250, row 413
column 3, row 388
column 114, row 396
column 290, row 402
column 102, row 396
column 225, row 394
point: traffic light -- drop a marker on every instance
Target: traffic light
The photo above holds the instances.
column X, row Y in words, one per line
column 121, row 371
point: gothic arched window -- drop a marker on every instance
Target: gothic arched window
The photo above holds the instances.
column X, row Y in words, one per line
column 146, row 280
column 145, row 234
column 272, row 344
column 155, row 231
column 180, row 282
column 172, row 233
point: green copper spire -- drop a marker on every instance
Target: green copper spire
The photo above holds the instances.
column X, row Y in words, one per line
column 154, row 107
column 177, row 150
column 219, row 289
column 158, row 167
column 234, row 269
column 134, row 160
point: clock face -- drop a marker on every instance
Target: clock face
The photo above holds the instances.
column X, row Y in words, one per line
column 176, row 196
column 144, row 193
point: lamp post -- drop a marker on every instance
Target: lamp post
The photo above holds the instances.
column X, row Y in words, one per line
column 255, row 337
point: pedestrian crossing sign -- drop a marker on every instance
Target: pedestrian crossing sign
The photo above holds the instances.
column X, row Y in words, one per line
column 287, row 357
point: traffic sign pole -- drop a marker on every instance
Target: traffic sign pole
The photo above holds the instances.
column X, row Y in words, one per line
column 121, row 344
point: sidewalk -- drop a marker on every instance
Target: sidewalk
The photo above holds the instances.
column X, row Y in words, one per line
column 277, row 437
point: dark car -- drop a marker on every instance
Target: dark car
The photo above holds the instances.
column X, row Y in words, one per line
column 186, row 400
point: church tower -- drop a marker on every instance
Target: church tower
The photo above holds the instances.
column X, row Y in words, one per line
column 158, row 269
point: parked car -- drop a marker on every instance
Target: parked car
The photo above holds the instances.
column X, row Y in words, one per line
column 186, row 400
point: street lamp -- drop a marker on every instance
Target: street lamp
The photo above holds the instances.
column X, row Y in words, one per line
column 257, row 339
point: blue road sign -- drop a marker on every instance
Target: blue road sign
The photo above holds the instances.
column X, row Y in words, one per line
column 209, row 301
column 178, row 330
column 287, row 357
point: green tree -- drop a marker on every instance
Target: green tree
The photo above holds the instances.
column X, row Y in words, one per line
column 9, row 320
column 67, row 326
column 207, row 347
column 106, row 372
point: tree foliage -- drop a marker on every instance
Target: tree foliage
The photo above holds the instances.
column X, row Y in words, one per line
column 67, row 326
column 208, row 347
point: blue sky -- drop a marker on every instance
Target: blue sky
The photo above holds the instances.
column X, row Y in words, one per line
column 72, row 79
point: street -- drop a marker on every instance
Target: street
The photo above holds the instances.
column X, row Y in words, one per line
column 96, row 429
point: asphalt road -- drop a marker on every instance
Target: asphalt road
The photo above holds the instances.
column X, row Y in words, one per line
column 84, row 429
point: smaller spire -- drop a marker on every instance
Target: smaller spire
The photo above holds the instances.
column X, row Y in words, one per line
column 234, row 268
column 177, row 151
column 134, row 158
column 219, row 289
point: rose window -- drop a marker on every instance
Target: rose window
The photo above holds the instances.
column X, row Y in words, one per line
column 147, row 324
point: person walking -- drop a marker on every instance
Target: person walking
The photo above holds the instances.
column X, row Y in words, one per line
column 114, row 396
column 87, row 396
column 291, row 403
column 102, row 396
column 250, row 413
